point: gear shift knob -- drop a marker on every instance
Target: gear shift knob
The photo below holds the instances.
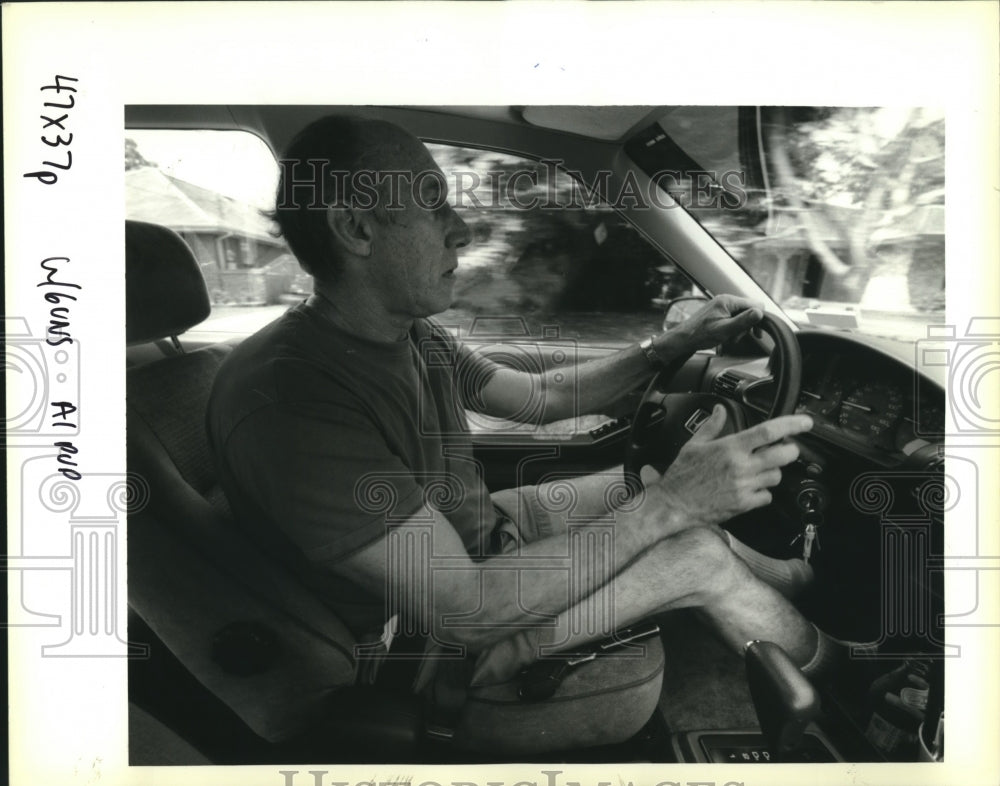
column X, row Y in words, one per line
column 784, row 699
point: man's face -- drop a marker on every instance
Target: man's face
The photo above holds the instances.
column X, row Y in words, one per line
column 415, row 249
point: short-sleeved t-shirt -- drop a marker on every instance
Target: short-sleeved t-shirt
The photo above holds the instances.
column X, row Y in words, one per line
column 324, row 439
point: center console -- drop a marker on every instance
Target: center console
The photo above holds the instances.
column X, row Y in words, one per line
column 749, row 747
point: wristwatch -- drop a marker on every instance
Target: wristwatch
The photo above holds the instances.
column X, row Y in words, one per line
column 646, row 345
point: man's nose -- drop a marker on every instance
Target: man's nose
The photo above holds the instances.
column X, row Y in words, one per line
column 459, row 234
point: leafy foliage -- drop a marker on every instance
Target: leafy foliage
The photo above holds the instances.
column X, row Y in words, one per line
column 133, row 158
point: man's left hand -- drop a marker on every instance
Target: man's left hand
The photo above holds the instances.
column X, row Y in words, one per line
column 720, row 319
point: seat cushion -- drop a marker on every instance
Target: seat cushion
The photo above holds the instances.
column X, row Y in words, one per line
column 189, row 601
column 151, row 743
column 603, row 702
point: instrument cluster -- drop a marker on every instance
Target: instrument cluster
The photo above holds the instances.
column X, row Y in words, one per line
column 871, row 401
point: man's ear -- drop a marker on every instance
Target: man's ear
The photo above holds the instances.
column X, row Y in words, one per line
column 351, row 230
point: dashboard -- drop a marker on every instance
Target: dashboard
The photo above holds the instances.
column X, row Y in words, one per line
column 861, row 397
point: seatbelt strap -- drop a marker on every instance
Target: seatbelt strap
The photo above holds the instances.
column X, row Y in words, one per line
column 170, row 348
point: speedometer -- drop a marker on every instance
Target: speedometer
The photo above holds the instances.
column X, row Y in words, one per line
column 870, row 410
column 824, row 403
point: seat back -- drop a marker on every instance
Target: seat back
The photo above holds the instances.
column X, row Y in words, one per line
column 239, row 622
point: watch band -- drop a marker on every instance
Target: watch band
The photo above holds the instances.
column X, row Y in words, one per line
column 646, row 345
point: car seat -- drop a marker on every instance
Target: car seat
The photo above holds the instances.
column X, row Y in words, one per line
column 272, row 653
column 245, row 628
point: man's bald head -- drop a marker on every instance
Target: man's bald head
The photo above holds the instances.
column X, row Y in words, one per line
column 341, row 145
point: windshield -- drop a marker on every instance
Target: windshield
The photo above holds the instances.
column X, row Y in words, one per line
column 837, row 212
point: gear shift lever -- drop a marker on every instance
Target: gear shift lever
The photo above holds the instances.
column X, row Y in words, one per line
column 784, row 699
column 786, row 703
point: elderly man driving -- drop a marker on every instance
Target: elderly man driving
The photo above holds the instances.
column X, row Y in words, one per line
column 357, row 391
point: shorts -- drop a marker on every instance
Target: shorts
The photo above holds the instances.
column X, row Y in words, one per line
column 522, row 518
column 475, row 700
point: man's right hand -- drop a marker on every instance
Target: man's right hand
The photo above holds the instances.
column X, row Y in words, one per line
column 716, row 478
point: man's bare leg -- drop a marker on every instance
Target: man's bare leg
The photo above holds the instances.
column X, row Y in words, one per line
column 594, row 497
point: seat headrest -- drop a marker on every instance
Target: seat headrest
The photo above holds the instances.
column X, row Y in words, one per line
column 165, row 293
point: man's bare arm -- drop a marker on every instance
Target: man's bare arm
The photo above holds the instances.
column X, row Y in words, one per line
column 499, row 595
column 579, row 390
column 595, row 385
column 711, row 481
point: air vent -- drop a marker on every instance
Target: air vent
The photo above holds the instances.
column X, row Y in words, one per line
column 725, row 384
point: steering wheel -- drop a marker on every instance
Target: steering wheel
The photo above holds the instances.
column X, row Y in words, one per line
column 657, row 442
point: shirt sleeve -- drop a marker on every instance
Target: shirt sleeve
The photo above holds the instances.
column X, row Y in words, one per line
column 324, row 476
column 473, row 370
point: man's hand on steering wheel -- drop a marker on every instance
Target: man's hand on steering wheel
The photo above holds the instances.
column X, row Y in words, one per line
column 716, row 478
column 719, row 320
column 665, row 420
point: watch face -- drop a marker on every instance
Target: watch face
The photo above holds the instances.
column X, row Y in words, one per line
column 647, row 349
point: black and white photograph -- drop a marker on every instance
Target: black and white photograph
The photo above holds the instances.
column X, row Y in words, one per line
column 372, row 419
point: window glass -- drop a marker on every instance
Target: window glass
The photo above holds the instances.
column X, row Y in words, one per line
column 547, row 261
column 212, row 188
column 837, row 212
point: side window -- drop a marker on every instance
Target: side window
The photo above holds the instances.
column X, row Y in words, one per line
column 545, row 262
column 213, row 188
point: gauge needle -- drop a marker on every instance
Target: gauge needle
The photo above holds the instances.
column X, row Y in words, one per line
column 811, row 394
column 862, row 407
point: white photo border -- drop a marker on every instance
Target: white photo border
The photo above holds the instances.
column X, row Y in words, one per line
column 68, row 714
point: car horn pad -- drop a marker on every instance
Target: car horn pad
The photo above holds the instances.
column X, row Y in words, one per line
column 657, row 441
